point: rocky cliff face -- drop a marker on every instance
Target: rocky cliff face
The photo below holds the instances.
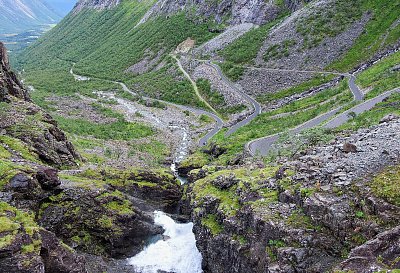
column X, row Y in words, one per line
column 9, row 84
column 335, row 207
column 232, row 12
column 95, row 4
column 99, row 213
column 29, row 123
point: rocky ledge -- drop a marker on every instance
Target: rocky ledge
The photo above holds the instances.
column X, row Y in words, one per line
column 334, row 208
column 23, row 120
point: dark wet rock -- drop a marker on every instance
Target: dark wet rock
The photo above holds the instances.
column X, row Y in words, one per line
column 158, row 189
column 9, row 83
column 20, row 182
column 225, row 182
column 238, row 159
column 30, row 123
column 25, row 247
column 195, row 175
column 280, row 173
column 215, row 150
column 18, row 263
column 53, row 147
column 97, row 221
column 58, row 257
column 48, row 178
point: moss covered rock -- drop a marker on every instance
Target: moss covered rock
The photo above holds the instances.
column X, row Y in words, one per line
column 25, row 247
column 101, row 222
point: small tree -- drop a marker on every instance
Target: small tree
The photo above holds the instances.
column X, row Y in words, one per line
column 351, row 115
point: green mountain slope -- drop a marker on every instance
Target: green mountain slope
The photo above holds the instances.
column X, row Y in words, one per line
column 105, row 43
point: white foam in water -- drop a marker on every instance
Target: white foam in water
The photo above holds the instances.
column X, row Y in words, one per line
column 177, row 253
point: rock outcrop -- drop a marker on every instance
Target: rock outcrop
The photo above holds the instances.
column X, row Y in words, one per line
column 375, row 255
column 95, row 4
column 25, row 247
column 30, row 123
column 335, row 206
column 9, row 83
column 46, row 217
column 101, row 222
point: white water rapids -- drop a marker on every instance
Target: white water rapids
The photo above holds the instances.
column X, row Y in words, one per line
column 176, row 253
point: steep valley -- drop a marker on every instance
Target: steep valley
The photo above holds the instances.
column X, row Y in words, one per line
column 204, row 136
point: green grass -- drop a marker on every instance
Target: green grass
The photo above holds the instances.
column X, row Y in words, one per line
column 279, row 51
column 119, row 130
column 245, row 49
column 157, row 151
column 8, row 170
column 232, row 71
column 216, row 99
column 162, row 85
column 381, row 77
column 228, row 201
column 328, row 22
column 384, row 14
column 212, row 224
column 386, row 185
column 104, row 44
column 316, row 81
column 14, row 221
column 19, row 147
column 373, row 116
column 120, row 207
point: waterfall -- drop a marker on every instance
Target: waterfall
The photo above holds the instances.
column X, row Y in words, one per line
column 177, row 252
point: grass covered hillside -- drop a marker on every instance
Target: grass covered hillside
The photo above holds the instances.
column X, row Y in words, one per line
column 105, row 44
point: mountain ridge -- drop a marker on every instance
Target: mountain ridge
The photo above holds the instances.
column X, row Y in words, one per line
column 22, row 15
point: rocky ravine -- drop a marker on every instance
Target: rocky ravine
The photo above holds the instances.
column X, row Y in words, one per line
column 334, row 207
column 69, row 221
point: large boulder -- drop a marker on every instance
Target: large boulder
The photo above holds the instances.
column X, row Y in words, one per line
column 97, row 221
column 379, row 254
column 26, row 248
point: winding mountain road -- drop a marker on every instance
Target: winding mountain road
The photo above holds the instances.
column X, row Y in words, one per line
column 263, row 145
column 358, row 109
column 256, row 106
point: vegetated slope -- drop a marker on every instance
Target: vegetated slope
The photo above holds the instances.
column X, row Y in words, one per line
column 104, row 40
column 23, row 15
column 104, row 44
column 332, row 35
